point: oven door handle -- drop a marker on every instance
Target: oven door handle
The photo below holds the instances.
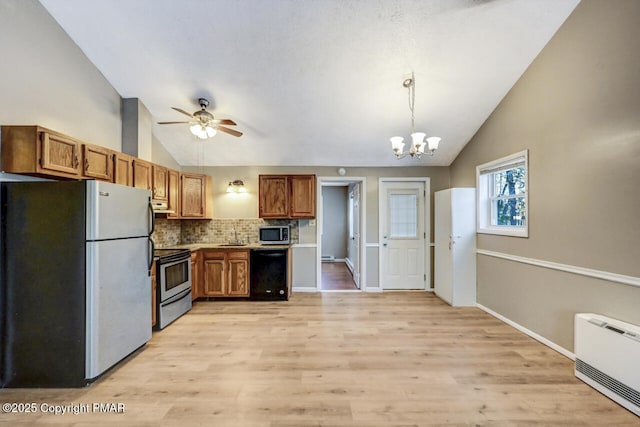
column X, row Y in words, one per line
column 151, row 247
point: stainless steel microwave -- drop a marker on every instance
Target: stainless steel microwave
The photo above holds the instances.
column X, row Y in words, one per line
column 274, row 235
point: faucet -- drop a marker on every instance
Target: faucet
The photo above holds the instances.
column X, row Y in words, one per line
column 235, row 236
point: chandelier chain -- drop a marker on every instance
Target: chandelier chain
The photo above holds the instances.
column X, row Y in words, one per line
column 412, row 100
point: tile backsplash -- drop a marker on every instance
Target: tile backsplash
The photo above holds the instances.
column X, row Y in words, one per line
column 172, row 232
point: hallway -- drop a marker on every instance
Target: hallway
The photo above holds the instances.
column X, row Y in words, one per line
column 336, row 276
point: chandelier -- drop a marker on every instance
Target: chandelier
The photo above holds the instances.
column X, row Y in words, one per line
column 418, row 143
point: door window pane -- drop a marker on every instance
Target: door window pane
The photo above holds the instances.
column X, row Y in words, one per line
column 403, row 216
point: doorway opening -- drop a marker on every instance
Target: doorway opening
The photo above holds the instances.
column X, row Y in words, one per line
column 340, row 239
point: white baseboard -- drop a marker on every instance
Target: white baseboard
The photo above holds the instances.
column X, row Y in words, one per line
column 304, row 289
column 376, row 289
column 563, row 351
column 349, row 264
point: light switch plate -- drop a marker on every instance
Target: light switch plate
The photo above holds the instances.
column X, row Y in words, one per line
column 312, row 222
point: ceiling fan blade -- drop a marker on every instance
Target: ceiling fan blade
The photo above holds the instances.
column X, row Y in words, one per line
column 170, row 123
column 223, row 122
column 229, row 131
column 179, row 110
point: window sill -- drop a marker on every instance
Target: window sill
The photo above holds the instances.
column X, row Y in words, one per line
column 504, row 231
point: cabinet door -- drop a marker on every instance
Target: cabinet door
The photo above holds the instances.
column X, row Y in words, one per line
column 160, row 183
column 303, row 196
column 59, row 154
column 238, row 273
column 193, row 196
column 123, row 169
column 173, row 193
column 141, row 174
column 273, row 196
column 214, row 278
column 97, row 162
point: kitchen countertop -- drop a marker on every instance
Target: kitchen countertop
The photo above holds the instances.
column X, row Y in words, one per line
column 196, row 246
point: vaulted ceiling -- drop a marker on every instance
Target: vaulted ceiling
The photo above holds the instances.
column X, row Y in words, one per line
column 313, row 82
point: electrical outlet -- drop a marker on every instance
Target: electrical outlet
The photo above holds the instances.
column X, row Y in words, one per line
column 312, row 222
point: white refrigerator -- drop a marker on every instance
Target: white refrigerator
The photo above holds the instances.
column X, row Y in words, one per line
column 75, row 287
column 455, row 246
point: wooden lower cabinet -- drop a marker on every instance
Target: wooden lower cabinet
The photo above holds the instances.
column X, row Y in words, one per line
column 196, row 274
column 225, row 273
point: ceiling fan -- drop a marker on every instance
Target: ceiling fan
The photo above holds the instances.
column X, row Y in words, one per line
column 203, row 125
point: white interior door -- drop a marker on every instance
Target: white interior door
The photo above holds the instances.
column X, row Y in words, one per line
column 355, row 239
column 402, row 251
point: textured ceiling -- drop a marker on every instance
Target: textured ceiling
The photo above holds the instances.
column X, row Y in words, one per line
column 313, row 82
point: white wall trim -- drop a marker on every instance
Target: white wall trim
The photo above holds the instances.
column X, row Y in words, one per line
column 372, row 245
column 303, row 289
column 598, row 274
column 304, row 245
column 563, row 351
column 376, row 289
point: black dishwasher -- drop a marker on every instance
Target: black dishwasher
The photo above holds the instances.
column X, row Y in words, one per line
column 269, row 274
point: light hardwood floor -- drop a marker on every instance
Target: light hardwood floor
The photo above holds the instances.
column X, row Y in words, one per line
column 336, row 276
column 336, row 359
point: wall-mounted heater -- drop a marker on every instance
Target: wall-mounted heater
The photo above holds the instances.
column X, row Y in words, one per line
column 608, row 358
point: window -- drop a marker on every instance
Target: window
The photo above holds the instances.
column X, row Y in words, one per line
column 403, row 216
column 503, row 202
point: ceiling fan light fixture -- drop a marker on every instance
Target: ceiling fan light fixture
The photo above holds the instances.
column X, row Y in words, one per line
column 203, row 132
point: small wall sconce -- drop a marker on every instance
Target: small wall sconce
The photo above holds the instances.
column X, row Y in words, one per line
column 236, row 186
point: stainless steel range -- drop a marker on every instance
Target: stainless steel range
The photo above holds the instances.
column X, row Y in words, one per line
column 174, row 284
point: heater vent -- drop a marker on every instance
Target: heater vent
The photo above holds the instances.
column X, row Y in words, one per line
column 605, row 380
column 607, row 354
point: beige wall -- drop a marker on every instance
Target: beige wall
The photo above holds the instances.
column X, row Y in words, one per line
column 45, row 79
column 577, row 110
column 246, row 206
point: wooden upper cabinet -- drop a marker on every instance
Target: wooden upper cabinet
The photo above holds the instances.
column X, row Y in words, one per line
column 160, row 183
column 173, row 193
column 287, row 196
column 97, row 162
column 302, row 196
column 142, row 172
column 123, row 169
column 273, row 201
column 59, row 153
column 195, row 196
column 35, row 150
